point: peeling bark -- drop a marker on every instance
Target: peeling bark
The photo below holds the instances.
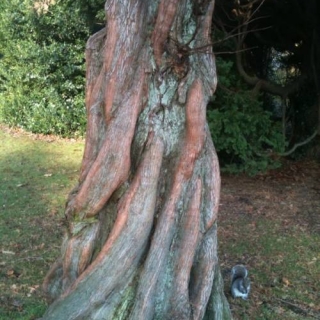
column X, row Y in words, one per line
column 142, row 236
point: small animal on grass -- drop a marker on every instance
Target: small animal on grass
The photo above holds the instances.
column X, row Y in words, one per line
column 240, row 284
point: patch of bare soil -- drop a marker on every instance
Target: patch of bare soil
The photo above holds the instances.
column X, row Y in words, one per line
column 271, row 223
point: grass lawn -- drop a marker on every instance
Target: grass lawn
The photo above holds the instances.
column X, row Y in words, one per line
column 36, row 175
column 270, row 223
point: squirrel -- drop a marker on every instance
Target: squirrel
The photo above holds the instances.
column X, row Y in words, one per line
column 240, row 284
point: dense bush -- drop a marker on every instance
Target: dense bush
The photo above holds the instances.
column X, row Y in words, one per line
column 242, row 131
column 42, row 76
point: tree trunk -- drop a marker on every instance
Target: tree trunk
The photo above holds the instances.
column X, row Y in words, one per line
column 142, row 234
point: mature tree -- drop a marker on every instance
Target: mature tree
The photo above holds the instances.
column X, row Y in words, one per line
column 142, row 222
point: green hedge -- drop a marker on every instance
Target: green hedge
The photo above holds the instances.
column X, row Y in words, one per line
column 42, row 71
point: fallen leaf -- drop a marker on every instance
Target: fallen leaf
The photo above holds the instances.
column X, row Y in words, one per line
column 10, row 272
column 13, row 273
column 47, row 175
column 21, row 185
column 7, row 252
column 285, row 281
column 33, row 289
column 53, row 212
column 14, row 287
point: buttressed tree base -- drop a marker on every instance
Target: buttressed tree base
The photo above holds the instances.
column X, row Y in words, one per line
column 141, row 241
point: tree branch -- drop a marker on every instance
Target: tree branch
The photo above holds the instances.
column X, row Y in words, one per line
column 261, row 84
column 299, row 144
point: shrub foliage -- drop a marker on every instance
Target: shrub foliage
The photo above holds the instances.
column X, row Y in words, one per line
column 244, row 133
column 42, row 76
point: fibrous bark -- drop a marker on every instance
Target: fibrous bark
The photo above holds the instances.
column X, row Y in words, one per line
column 142, row 234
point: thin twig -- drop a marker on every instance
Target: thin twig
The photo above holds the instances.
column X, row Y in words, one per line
column 232, row 52
column 241, row 33
column 30, row 258
column 299, row 144
column 301, row 310
column 256, row 10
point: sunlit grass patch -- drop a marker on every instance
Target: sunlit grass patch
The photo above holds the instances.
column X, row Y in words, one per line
column 35, row 176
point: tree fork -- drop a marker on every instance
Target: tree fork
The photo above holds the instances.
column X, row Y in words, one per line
column 141, row 241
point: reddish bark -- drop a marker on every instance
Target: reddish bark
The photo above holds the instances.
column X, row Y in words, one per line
column 141, row 240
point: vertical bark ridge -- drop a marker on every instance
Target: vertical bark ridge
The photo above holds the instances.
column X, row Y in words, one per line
column 205, row 21
column 202, row 274
column 185, row 247
column 94, row 75
column 166, row 14
column 195, row 121
column 211, row 183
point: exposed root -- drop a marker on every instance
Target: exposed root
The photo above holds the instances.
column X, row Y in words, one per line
column 52, row 284
column 203, row 273
column 79, row 251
